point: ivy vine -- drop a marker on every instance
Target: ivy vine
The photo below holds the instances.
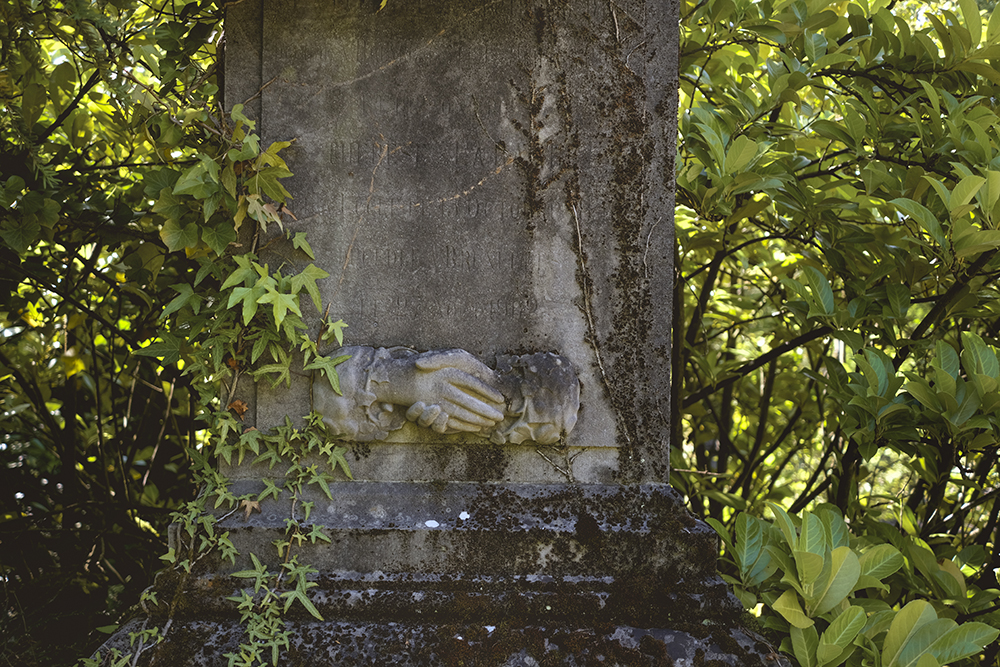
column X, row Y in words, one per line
column 242, row 317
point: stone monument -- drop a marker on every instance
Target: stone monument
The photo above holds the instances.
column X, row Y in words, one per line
column 490, row 185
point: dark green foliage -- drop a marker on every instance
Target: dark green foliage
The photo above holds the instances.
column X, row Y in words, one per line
column 839, row 192
column 104, row 106
column 835, row 599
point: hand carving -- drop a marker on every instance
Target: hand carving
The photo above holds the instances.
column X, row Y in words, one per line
column 447, row 390
column 532, row 397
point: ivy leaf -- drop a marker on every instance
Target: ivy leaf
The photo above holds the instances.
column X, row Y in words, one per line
column 300, row 243
column 20, row 236
column 335, row 329
column 281, row 369
column 307, row 278
column 199, row 181
column 185, row 295
column 169, row 205
column 317, row 534
column 244, row 273
column 281, row 304
column 167, row 350
column 329, row 367
column 336, row 458
column 177, row 237
column 292, row 596
column 219, row 237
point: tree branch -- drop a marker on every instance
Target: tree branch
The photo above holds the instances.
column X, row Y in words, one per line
column 746, row 368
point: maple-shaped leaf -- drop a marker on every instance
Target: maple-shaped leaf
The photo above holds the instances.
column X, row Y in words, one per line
column 307, row 279
column 282, row 303
column 240, row 407
column 248, row 506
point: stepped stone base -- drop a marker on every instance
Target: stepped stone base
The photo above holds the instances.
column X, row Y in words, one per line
column 473, row 574
column 418, row 645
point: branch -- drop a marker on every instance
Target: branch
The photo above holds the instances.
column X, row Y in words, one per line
column 941, row 307
column 84, row 89
column 746, row 368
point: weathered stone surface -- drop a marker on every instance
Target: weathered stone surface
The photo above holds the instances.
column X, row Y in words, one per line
column 474, row 574
column 490, row 176
column 414, row 644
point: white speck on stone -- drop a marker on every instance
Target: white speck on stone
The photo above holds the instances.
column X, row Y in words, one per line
column 431, row 523
column 463, row 516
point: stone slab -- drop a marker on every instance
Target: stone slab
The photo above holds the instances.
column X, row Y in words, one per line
column 413, row 644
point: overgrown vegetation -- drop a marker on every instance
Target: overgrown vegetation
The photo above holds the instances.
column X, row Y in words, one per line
column 129, row 302
column 838, row 190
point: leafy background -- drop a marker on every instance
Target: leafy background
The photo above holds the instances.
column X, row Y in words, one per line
column 838, row 212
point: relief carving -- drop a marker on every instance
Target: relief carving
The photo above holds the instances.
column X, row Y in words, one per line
column 534, row 397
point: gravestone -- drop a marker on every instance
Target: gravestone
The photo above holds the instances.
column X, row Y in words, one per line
column 490, row 186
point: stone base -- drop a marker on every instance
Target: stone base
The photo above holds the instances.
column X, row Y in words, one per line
column 350, row 644
column 473, row 574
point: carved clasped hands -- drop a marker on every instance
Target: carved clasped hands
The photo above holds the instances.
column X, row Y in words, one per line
column 449, row 391
column 531, row 397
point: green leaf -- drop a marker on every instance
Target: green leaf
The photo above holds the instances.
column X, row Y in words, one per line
column 924, row 218
column 219, row 237
column 300, row 243
column 303, row 599
column 785, row 524
column 947, row 359
column 719, row 528
column 335, row 455
column 281, row 304
column 841, row 633
column 917, row 645
column 199, row 181
column 805, row 641
column 973, row 21
column 982, row 358
column 307, row 278
column 966, row 640
column 749, row 542
column 741, row 153
column 980, row 69
column 177, row 237
column 845, row 569
column 329, row 367
column 244, row 273
column 335, row 329
column 899, row 300
column 791, row 610
column 907, row 623
column 921, row 391
column 864, row 581
column 185, row 294
column 821, row 291
column 966, row 189
column 21, row 235
column 880, row 561
column 812, row 537
column 168, row 349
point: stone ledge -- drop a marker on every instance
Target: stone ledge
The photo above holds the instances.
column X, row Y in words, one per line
column 408, row 644
column 482, row 530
